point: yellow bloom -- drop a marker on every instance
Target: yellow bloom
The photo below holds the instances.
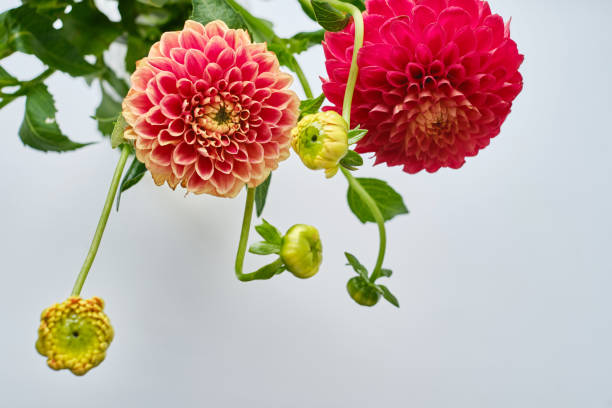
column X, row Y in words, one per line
column 321, row 141
column 301, row 251
column 74, row 334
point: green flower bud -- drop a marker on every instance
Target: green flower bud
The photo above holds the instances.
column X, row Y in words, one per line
column 362, row 292
column 301, row 251
column 321, row 141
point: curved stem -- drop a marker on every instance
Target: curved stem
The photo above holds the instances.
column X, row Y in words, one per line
column 108, row 204
column 359, row 34
column 265, row 272
column 369, row 201
column 303, row 80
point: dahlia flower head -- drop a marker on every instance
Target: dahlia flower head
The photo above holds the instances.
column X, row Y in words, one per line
column 210, row 110
column 436, row 80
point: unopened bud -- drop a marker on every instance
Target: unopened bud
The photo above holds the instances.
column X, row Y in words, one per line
column 321, row 141
column 301, row 251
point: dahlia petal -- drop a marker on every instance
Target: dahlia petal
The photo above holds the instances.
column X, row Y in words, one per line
column 140, row 78
column 222, row 182
column 166, row 83
column 168, row 41
column 190, row 39
column 178, row 55
column 255, row 152
column 496, row 24
column 242, row 171
column 471, row 6
column 215, row 28
column 452, row 19
column 226, row 58
column 162, row 155
column 171, row 106
column 205, row 168
column 195, row 26
column 214, row 47
column 435, row 5
column 195, row 61
column 165, row 138
column 465, row 40
column 423, row 16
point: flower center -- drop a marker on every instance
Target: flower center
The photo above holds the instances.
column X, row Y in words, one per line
column 217, row 117
column 438, row 123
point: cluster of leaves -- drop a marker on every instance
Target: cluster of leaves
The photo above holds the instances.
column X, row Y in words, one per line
column 72, row 36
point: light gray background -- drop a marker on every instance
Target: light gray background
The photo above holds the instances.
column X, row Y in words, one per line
column 502, row 268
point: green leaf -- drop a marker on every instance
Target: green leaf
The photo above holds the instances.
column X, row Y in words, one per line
column 357, row 266
column 386, row 273
column 269, row 233
column 45, row 5
column 268, row 271
column 311, row 106
column 359, row 3
column 205, row 11
column 356, row 134
column 134, row 174
column 307, row 7
column 351, row 160
column 388, row 295
column 39, row 129
column 328, row 17
column 7, row 79
column 264, row 248
column 389, row 202
column 23, row 29
column 107, row 112
column 137, row 48
column 261, row 194
column 89, row 30
column 117, row 134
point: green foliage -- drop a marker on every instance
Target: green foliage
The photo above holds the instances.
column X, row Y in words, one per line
column 269, row 233
column 101, row 32
column 356, row 134
column 311, row 106
column 272, row 240
column 39, row 128
column 386, row 198
column 328, row 17
column 7, row 79
column 134, row 174
column 25, row 30
column 351, row 160
column 261, row 194
column 357, row 266
column 117, row 134
column 107, row 112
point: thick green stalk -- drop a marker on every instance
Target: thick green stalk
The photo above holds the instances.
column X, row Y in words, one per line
column 108, row 204
column 369, row 201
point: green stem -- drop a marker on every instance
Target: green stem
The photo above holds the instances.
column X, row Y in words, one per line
column 303, row 80
column 265, row 272
column 369, row 201
column 346, row 114
column 24, row 87
column 359, row 34
column 108, row 204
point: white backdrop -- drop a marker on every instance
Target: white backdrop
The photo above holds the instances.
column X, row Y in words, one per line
column 502, row 268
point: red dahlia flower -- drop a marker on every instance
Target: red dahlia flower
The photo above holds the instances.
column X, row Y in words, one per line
column 436, row 80
column 210, row 110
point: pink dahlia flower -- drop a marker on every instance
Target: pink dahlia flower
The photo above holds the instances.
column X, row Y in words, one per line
column 436, row 80
column 210, row 110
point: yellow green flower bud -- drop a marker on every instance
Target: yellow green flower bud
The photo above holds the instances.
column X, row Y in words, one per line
column 74, row 334
column 321, row 141
column 362, row 292
column 301, row 251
